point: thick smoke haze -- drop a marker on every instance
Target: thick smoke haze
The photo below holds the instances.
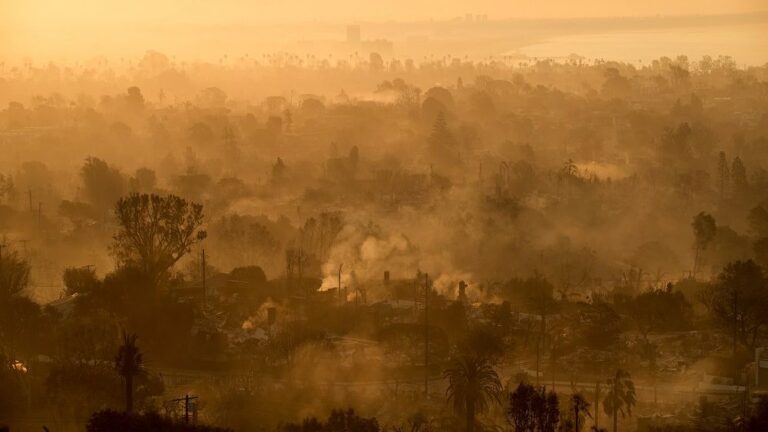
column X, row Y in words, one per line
column 338, row 216
column 82, row 29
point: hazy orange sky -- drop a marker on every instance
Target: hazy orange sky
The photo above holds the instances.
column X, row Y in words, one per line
column 77, row 11
column 45, row 27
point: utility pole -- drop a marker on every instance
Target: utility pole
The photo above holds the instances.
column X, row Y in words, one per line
column 186, row 400
column 203, row 263
column 758, row 353
column 426, row 335
column 538, row 358
column 2, row 244
column 597, row 405
column 341, row 299
column 745, row 400
column 480, row 173
column 735, row 318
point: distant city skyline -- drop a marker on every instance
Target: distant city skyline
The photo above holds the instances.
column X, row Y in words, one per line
column 88, row 11
column 81, row 29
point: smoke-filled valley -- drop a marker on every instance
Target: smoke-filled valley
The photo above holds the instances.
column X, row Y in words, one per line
column 349, row 239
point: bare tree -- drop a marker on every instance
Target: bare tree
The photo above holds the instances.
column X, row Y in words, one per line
column 155, row 232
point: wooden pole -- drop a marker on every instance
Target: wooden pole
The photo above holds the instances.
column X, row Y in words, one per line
column 186, row 408
column 597, row 405
column 203, row 271
column 341, row 299
column 426, row 335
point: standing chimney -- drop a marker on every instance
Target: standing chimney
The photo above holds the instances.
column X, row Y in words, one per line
column 462, row 291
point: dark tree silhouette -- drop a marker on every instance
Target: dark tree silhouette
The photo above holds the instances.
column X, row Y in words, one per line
column 520, row 409
column 759, row 420
column 128, row 364
column 440, row 136
column 472, row 385
column 738, row 176
column 533, row 410
column 102, row 184
column 580, row 407
column 548, row 416
column 538, row 295
column 723, row 175
column 442, row 143
column 758, row 221
column 615, row 84
column 660, row 310
column 620, row 396
column 155, row 232
column 760, row 248
column 113, row 421
column 338, row 420
column 80, row 280
column 14, row 272
column 704, row 229
column 738, row 302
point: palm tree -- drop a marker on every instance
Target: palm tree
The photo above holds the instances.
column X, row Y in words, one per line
column 128, row 364
column 472, row 385
column 580, row 405
column 620, row 397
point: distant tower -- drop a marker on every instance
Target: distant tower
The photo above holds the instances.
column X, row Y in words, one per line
column 353, row 34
